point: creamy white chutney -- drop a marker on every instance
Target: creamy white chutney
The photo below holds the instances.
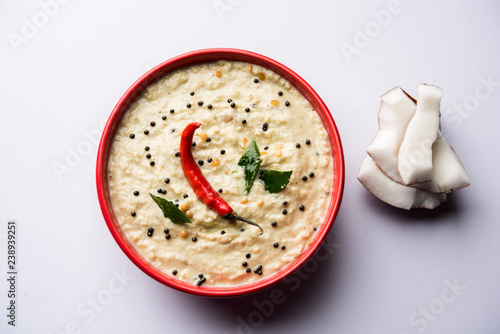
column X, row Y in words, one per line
column 232, row 101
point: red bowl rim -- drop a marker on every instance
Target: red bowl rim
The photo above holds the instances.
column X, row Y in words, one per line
column 203, row 56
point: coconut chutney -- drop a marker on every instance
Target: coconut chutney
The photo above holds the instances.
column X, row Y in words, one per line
column 235, row 102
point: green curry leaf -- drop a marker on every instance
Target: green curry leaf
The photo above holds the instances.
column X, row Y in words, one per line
column 250, row 162
column 275, row 181
column 170, row 211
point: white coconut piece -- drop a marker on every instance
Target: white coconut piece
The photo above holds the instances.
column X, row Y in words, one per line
column 415, row 154
column 393, row 193
column 448, row 172
column 396, row 110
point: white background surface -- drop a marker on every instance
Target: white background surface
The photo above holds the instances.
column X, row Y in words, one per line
column 387, row 265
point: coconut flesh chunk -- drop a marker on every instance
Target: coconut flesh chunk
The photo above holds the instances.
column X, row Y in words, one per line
column 393, row 193
column 415, row 154
column 448, row 172
column 396, row 111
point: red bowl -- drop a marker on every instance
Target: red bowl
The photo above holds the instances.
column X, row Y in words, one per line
column 196, row 57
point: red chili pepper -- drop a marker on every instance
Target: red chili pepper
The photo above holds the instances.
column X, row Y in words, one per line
column 199, row 183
